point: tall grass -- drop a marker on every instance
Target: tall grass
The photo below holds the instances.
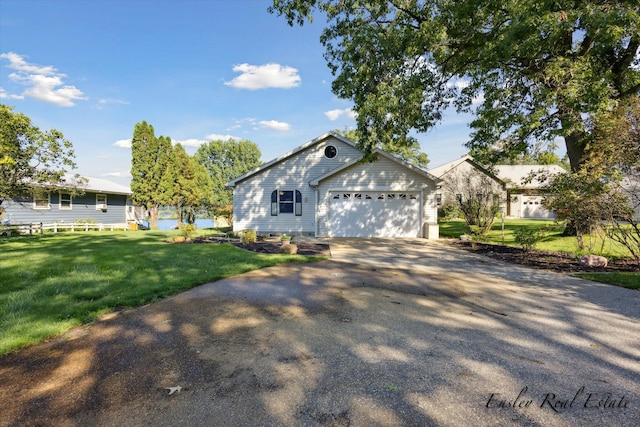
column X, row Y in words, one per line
column 53, row 282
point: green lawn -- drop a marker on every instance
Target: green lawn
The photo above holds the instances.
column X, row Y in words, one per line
column 553, row 241
column 52, row 282
column 626, row 280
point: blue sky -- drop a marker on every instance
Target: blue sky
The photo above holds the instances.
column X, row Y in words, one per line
column 196, row 70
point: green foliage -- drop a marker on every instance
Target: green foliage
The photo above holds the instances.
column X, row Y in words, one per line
column 151, row 180
column 32, row 158
column 449, row 211
column 225, row 161
column 53, row 282
column 188, row 230
column 248, row 237
column 529, row 71
column 528, row 237
column 192, row 188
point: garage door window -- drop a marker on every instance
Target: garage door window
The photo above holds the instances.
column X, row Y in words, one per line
column 286, row 202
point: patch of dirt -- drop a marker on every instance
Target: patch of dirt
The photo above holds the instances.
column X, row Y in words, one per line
column 553, row 261
column 270, row 246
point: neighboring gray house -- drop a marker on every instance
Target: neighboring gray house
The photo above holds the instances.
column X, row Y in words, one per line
column 322, row 189
column 520, row 193
column 102, row 201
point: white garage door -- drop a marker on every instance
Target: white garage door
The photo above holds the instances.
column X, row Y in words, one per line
column 374, row 214
column 532, row 208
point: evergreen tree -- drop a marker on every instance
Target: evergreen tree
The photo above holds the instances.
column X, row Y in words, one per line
column 151, row 182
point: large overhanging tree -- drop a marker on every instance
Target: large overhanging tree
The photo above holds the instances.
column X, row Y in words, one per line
column 529, row 70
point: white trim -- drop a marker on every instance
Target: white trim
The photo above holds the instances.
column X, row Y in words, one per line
column 291, row 153
column 101, row 206
column 43, row 208
column 65, row 208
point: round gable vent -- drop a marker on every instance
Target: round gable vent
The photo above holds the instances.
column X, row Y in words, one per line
column 330, row 151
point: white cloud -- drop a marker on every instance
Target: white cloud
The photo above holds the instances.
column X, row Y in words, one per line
column 218, row 137
column 192, row 142
column 107, row 101
column 43, row 83
column 264, row 76
column 125, row 174
column 275, row 125
column 334, row 115
column 123, row 143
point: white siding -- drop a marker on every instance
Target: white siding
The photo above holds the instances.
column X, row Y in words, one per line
column 383, row 175
column 252, row 197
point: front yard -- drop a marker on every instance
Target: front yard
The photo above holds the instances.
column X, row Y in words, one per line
column 554, row 252
column 53, row 282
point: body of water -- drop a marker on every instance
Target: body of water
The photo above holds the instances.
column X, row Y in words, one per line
column 168, row 224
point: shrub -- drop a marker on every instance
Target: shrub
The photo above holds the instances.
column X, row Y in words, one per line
column 450, row 211
column 289, row 248
column 249, row 236
column 188, row 230
column 527, row 237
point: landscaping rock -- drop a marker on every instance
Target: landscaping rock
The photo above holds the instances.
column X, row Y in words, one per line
column 594, row 261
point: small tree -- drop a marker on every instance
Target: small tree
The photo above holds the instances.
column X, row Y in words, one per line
column 479, row 197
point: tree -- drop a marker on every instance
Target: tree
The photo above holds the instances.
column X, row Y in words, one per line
column 604, row 197
column 478, row 196
column 528, row 70
column 31, row 159
column 151, row 181
column 192, row 188
column 225, row 161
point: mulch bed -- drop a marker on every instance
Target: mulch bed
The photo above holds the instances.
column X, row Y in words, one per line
column 546, row 260
column 270, row 246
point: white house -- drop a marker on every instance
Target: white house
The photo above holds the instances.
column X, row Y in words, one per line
column 518, row 184
column 323, row 189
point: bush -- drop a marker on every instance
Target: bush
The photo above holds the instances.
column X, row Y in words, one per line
column 450, row 211
column 527, row 237
column 188, row 230
column 249, row 236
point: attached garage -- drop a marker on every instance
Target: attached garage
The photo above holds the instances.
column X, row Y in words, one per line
column 374, row 214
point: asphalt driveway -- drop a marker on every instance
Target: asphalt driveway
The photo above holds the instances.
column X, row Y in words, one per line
column 388, row 332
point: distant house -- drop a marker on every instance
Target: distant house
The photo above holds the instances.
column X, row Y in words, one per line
column 101, row 201
column 323, row 189
column 519, row 185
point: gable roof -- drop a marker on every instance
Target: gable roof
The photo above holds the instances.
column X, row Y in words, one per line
column 289, row 154
column 314, row 182
column 516, row 175
column 442, row 170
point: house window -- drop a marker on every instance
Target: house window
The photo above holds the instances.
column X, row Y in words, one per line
column 41, row 201
column 101, row 201
column 286, row 201
column 439, row 199
column 65, row 201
